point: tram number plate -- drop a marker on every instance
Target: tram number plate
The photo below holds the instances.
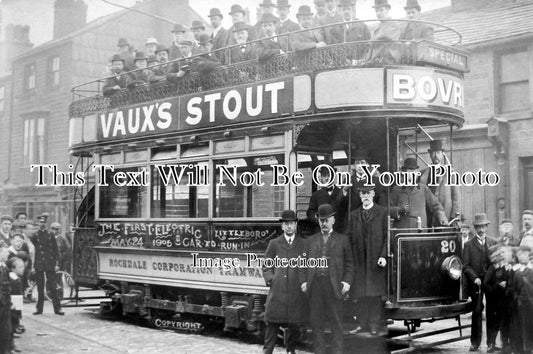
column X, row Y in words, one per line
column 448, row 246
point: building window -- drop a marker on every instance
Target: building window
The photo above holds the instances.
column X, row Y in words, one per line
column 2, row 99
column 33, row 150
column 29, row 77
column 53, row 71
column 513, row 86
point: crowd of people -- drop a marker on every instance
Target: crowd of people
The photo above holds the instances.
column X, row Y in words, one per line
column 208, row 49
column 29, row 253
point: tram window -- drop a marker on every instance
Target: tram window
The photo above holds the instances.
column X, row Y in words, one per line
column 246, row 198
column 194, row 150
column 179, row 200
column 136, row 156
column 121, row 201
column 164, row 153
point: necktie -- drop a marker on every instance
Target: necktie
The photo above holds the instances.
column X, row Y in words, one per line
column 290, row 241
column 325, row 237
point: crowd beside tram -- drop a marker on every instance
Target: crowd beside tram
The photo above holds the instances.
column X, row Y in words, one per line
column 352, row 233
column 29, row 254
column 209, row 48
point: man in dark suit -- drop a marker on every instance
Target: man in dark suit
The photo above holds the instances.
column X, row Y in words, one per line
column 120, row 79
column 237, row 17
column 327, row 286
column 368, row 232
column 476, row 262
column 350, row 32
column 271, row 45
column 243, row 52
column 219, row 34
column 415, row 30
column 286, row 25
column 309, row 39
column 285, row 302
column 46, row 262
column 174, row 51
column 266, row 7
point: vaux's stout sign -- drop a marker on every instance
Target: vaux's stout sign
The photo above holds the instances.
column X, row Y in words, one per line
column 214, row 108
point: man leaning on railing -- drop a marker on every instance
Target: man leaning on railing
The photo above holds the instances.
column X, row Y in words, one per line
column 301, row 41
column 119, row 80
column 415, row 30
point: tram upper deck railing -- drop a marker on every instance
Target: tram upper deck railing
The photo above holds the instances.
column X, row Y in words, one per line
column 442, row 51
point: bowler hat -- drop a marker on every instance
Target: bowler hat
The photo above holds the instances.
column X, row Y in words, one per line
column 161, row 48
column 481, row 219
column 117, row 57
column 282, row 3
column 152, row 59
column 269, row 18
column 240, row 26
column 325, row 211
column 197, row 24
column 304, row 10
column 346, row 3
column 529, row 212
column 185, row 42
column 179, row 28
column 412, row 4
column 215, row 12
column 409, row 164
column 267, row 3
column 139, row 56
column 204, row 38
column 288, row 215
column 381, row 3
column 20, row 213
column 6, row 217
column 55, row 225
column 42, row 218
column 122, row 42
column 151, row 40
column 435, row 145
column 236, row 8
column 506, row 221
column 365, row 188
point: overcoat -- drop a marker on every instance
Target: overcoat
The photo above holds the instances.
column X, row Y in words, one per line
column 285, row 301
column 336, row 199
column 417, row 31
column 448, row 196
column 351, row 32
column 417, row 198
column 220, row 40
column 369, row 243
column 267, row 48
column 340, row 263
column 476, row 261
column 305, row 40
column 121, row 80
column 288, row 26
column 46, row 253
column 239, row 54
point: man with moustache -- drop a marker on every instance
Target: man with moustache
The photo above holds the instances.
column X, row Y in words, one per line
column 350, row 32
column 476, row 262
column 386, row 31
column 119, row 80
column 368, row 232
column 237, row 18
column 219, row 34
column 285, row 302
column 328, row 286
column 526, row 238
column 286, row 25
column 306, row 40
column 415, row 30
column 271, row 45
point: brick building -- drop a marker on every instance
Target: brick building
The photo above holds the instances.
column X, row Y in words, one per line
column 42, row 77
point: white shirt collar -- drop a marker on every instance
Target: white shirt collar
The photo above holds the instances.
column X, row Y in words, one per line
column 368, row 208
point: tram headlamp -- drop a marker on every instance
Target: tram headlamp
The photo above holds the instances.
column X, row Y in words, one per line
column 453, row 267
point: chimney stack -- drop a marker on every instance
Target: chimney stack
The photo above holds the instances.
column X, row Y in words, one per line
column 16, row 41
column 69, row 16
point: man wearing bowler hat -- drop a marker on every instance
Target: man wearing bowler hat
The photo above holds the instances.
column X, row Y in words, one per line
column 309, row 39
column 349, row 32
column 219, row 34
column 266, row 7
column 271, row 45
column 244, row 51
column 411, row 201
column 387, row 30
column 46, row 263
column 127, row 52
column 178, row 32
column 327, row 286
column 237, row 17
column 368, row 232
column 286, row 25
column 475, row 264
column 449, row 196
column 415, row 30
column 119, row 80
column 285, row 302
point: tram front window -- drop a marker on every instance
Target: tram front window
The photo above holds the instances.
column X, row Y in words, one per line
column 121, row 201
column 247, row 198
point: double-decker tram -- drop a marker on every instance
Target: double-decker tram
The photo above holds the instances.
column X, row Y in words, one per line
column 201, row 169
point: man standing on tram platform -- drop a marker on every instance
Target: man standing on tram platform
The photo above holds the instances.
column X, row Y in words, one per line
column 368, row 232
column 415, row 30
column 449, row 196
column 328, row 286
column 285, row 304
column 475, row 264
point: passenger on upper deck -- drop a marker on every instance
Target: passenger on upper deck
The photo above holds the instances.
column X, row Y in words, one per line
column 174, row 51
column 143, row 75
column 265, row 7
column 160, row 72
column 127, row 52
column 150, row 46
column 320, row 8
column 271, row 46
column 119, row 80
column 386, row 31
column 237, row 17
column 207, row 61
column 182, row 67
column 308, row 39
column 219, row 34
column 197, row 28
column 152, row 60
column 285, row 23
column 415, row 30
column 243, row 52
column 350, row 32
column 332, row 16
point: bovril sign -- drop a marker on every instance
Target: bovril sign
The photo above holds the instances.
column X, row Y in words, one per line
column 424, row 87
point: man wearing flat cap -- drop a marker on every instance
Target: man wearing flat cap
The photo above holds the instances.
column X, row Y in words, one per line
column 506, row 234
column 307, row 40
column 475, row 265
column 411, row 201
column 46, row 262
column 526, row 238
column 415, row 30
column 219, row 34
column 119, row 80
column 368, row 232
column 328, row 286
column 6, row 223
column 285, row 302
column 448, row 196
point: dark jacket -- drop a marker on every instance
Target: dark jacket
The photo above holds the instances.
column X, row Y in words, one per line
column 285, row 301
column 340, row 263
column 307, row 40
column 328, row 19
column 174, row 52
column 219, row 41
column 418, row 198
column 288, row 26
column 369, row 243
column 239, row 54
column 351, row 32
column 417, row 31
column 5, row 289
column 336, row 200
column 476, row 261
column 46, row 253
column 448, row 196
column 267, row 48
column 121, row 80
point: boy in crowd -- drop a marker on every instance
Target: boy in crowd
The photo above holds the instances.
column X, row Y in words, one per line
column 16, row 267
column 6, row 334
